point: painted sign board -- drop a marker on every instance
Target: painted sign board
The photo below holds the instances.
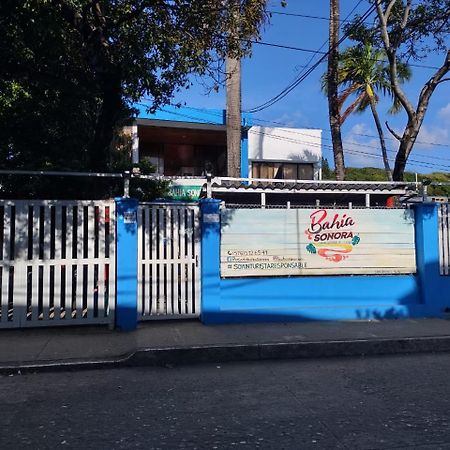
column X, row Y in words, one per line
column 275, row 242
column 187, row 189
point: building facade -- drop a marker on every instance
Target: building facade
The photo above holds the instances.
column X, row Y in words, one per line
column 192, row 142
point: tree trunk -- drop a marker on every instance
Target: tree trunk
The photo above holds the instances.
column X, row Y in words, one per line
column 99, row 153
column 333, row 101
column 406, row 145
column 233, row 117
column 381, row 137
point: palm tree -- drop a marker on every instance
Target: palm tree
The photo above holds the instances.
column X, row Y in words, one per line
column 363, row 72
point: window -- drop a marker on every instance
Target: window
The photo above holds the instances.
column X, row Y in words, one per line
column 283, row 171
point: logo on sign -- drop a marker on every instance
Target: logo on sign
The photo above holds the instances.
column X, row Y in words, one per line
column 332, row 236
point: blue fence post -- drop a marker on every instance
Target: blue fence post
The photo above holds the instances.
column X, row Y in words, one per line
column 427, row 254
column 210, row 270
column 126, row 264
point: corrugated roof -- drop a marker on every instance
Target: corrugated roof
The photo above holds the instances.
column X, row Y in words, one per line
column 396, row 188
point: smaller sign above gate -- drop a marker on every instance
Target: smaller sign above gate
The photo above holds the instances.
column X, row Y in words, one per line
column 186, row 189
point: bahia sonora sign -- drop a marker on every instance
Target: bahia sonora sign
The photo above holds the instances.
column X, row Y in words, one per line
column 319, row 241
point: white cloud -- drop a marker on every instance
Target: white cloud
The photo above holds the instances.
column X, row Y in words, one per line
column 431, row 135
column 444, row 114
column 361, row 149
column 291, row 120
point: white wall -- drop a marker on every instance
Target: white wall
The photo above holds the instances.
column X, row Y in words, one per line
column 285, row 144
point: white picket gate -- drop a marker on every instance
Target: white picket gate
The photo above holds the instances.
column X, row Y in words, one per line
column 168, row 261
column 57, row 263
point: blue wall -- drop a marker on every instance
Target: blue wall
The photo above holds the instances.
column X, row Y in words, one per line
column 326, row 298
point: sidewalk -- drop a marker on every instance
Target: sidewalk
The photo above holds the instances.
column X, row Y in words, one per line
column 181, row 342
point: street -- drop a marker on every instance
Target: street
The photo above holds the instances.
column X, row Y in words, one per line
column 348, row 403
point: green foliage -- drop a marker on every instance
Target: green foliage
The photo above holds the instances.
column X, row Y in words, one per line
column 425, row 31
column 327, row 173
column 71, row 68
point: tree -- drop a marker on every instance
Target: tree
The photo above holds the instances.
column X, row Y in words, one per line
column 363, row 73
column 71, row 68
column 332, row 90
column 407, row 29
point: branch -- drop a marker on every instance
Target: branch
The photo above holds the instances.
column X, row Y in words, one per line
column 430, row 86
column 393, row 132
column 392, row 57
column 406, row 14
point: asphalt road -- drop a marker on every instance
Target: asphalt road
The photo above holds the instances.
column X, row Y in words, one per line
column 374, row 403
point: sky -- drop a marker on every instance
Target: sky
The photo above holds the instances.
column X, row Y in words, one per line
column 270, row 69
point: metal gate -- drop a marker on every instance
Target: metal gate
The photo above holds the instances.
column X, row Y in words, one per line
column 57, row 263
column 168, row 261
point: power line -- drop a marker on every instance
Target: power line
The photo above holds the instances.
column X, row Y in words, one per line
column 308, row 50
column 304, row 16
column 295, row 131
column 410, row 161
column 433, row 144
column 304, row 75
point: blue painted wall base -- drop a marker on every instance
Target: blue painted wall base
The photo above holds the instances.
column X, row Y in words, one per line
column 307, row 298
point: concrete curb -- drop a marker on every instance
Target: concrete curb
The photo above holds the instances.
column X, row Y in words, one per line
column 243, row 352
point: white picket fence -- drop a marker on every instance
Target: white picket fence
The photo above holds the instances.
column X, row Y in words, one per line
column 57, row 263
column 444, row 238
column 168, row 261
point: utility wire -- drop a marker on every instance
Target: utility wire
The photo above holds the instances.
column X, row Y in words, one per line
column 308, row 50
column 297, row 141
column 306, row 73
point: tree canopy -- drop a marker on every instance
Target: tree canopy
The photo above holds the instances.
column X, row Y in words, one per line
column 408, row 30
column 71, row 69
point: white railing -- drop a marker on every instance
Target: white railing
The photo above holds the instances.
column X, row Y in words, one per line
column 57, row 262
column 168, row 261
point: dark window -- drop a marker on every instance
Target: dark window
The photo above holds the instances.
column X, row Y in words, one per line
column 282, row 171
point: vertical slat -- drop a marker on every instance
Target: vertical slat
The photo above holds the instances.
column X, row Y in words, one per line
column 189, row 282
column 182, row 256
column 35, row 231
column 101, row 290
column 154, row 298
column 101, row 254
column 58, row 255
column 90, row 290
column 35, row 293
column 6, row 233
column 80, row 253
column 147, row 233
column 190, row 260
column 140, row 257
column 20, row 265
column 112, row 263
column 197, row 260
column 45, row 291
column 46, row 239
column 176, row 250
column 182, row 281
column 68, row 266
column 161, row 233
column 169, row 264
column 69, row 292
column 4, row 300
column 91, row 231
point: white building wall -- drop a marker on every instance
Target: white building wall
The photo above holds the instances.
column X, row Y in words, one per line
column 285, row 144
